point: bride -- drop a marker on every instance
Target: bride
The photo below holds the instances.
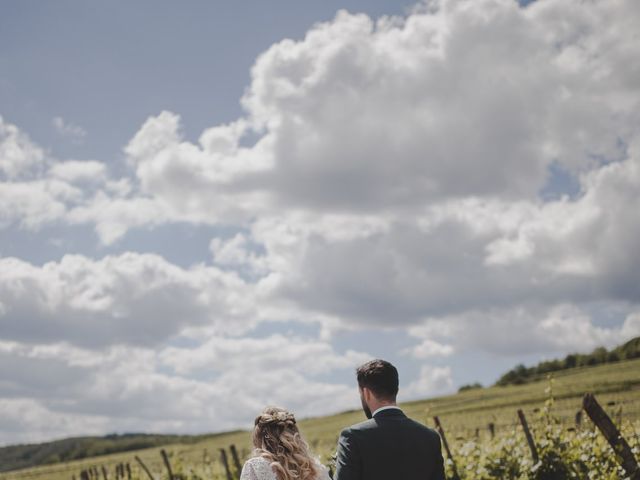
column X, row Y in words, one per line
column 280, row 451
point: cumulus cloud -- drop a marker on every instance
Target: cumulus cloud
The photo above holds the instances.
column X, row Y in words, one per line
column 239, row 253
column 18, row 155
column 429, row 348
column 396, row 114
column 386, row 173
column 27, row 421
column 125, row 389
column 412, row 148
column 78, row 171
column 38, row 190
column 363, row 115
column 138, row 299
column 440, row 208
column 431, row 381
column 529, row 329
column 113, row 213
column 278, row 351
column 33, row 204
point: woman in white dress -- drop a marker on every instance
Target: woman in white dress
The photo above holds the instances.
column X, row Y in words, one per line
column 280, row 451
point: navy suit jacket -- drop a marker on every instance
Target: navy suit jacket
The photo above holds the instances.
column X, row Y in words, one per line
column 390, row 446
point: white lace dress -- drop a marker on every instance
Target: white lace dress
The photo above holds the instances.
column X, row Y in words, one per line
column 258, row 468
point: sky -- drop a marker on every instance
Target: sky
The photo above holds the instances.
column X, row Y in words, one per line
column 210, row 207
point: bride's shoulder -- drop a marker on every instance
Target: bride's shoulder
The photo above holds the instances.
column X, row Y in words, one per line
column 322, row 469
column 258, row 464
column 257, row 460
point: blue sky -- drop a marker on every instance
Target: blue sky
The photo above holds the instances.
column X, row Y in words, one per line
column 108, row 67
column 245, row 200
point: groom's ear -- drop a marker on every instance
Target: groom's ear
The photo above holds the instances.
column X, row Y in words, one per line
column 366, row 393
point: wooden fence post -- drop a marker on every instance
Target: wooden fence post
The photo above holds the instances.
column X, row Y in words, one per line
column 236, row 459
column 527, row 433
column 165, row 459
column 144, row 467
column 446, row 447
column 612, row 434
column 492, row 429
column 225, row 462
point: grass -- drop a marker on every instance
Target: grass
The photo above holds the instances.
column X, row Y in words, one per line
column 462, row 415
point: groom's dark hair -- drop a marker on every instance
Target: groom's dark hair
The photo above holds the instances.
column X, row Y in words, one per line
column 380, row 377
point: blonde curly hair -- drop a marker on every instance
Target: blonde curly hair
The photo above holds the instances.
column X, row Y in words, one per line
column 276, row 438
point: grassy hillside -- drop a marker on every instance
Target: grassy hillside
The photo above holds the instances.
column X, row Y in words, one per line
column 22, row 456
column 616, row 385
column 521, row 374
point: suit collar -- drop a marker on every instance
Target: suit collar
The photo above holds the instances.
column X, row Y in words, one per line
column 389, row 411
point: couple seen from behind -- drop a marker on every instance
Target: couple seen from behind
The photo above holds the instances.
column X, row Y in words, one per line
column 387, row 446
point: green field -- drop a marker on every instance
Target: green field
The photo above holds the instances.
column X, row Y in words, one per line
column 465, row 417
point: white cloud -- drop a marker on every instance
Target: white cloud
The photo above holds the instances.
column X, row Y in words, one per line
column 18, row 155
column 432, row 381
column 195, row 183
column 630, row 327
column 429, row 348
column 397, row 114
column 113, row 214
column 80, row 171
column 68, row 129
column 471, row 254
column 341, row 180
column 26, row 420
column 237, row 252
column 306, row 356
column 123, row 388
column 353, row 215
column 33, row 204
column 552, row 330
column 36, row 190
column 138, row 299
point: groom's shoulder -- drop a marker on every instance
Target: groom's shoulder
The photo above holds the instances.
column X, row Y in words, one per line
column 365, row 425
column 358, row 428
column 407, row 422
column 426, row 431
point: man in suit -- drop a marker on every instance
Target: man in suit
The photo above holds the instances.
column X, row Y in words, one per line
column 388, row 446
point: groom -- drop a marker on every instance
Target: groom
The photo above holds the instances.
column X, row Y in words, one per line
column 388, row 446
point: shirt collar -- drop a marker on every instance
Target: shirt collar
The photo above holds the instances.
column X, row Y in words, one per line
column 387, row 407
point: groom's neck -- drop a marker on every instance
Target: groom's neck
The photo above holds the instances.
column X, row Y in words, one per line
column 376, row 404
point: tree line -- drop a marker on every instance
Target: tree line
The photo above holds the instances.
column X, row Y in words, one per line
column 522, row 374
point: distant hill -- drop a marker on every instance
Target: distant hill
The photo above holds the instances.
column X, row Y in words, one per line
column 22, row 456
column 521, row 374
